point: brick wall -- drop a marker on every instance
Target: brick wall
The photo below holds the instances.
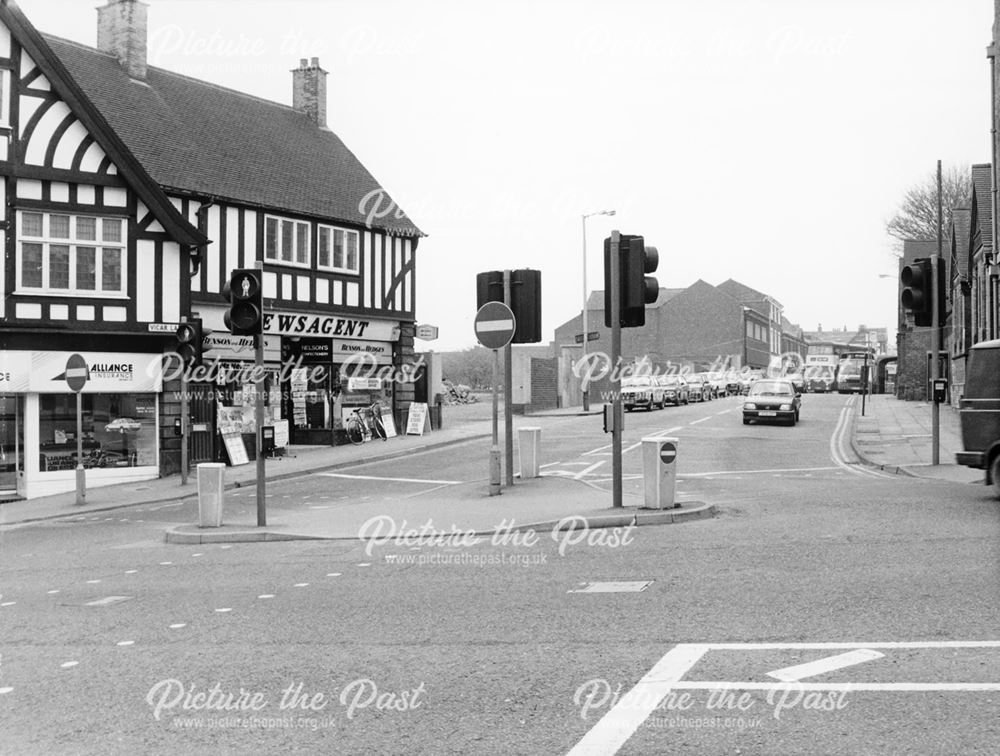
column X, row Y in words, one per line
column 170, row 444
column 911, row 375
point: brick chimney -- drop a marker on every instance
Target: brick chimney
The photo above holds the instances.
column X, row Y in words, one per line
column 121, row 31
column 309, row 90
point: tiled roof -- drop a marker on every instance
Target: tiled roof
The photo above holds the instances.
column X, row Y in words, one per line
column 197, row 137
column 596, row 299
column 961, row 218
column 981, row 184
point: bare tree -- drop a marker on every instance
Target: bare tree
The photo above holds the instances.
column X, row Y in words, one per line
column 917, row 216
column 472, row 367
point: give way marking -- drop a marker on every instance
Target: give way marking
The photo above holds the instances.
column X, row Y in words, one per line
column 613, row 730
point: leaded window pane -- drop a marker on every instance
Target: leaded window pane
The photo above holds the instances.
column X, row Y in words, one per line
column 86, row 268
column 31, row 265
column 271, row 239
column 111, row 269
column 59, row 226
column 287, row 240
column 31, row 224
column 112, row 230
column 86, row 228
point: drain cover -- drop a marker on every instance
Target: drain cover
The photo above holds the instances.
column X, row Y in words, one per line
column 613, row 586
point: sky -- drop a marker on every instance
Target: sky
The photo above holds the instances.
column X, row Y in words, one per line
column 763, row 140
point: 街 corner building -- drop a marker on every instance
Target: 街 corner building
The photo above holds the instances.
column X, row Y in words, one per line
column 130, row 193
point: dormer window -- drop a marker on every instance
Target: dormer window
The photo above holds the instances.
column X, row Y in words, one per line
column 337, row 249
column 75, row 255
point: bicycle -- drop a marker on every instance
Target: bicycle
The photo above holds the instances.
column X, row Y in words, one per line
column 364, row 424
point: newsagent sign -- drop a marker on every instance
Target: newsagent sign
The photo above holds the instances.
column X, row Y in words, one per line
column 293, row 324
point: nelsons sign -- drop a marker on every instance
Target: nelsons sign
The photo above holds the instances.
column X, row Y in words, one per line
column 291, row 324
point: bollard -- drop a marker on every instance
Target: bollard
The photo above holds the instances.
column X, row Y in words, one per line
column 528, row 447
column 659, row 472
column 211, row 487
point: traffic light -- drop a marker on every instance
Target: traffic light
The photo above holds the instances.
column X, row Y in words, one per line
column 189, row 342
column 246, row 302
column 916, row 295
column 636, row 289
column 525, row 300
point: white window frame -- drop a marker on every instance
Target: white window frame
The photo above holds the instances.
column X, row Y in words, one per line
column 275, row 257
column 356, row 270
column 5, row 95
column 99, row 245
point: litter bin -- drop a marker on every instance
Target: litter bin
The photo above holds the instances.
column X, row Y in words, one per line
column 528, row 442
column 211, row 487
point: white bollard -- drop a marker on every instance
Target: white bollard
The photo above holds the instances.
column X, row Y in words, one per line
column 211, row 490
column 528, row 443
column 659, row 472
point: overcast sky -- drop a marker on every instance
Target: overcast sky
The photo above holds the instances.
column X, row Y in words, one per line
column 767, row 141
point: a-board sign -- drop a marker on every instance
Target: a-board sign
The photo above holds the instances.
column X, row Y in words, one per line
column 235, row 449
column 388, row 422
column 416, row 418
column 280, row 433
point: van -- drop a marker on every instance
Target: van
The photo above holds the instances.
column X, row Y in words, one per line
column 979, row 412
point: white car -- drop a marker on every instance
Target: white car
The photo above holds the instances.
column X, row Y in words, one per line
column 641, row 392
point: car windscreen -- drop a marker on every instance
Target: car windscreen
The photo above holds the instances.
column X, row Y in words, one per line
column 771, row 388
column 983, row 380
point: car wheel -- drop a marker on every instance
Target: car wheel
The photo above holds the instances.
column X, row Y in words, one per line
column 746, row 421
column 995, row 474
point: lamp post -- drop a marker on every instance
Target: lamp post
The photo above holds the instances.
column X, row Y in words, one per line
column 583, row 355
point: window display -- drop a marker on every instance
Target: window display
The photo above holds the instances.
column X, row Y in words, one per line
column 119, row 430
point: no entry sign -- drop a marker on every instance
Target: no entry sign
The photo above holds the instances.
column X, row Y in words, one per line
column 494, row 325
column 668, row 452
column 77, row 372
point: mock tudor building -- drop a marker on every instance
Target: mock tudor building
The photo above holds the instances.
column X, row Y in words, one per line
column 130, row 193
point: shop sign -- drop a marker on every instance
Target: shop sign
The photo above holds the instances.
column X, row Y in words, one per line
column 380, row 350
column 225, row 346
column 110, row 372
column 293, row 324
column 315, row 353
column 15, row 368
column 364, row 384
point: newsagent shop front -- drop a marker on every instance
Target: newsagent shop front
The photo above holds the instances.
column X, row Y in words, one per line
column 38, row 420
column 319, row 371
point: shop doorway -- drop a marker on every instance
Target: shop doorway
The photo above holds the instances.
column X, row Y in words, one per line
column 11, row 443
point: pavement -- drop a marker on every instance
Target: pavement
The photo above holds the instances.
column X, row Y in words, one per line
column 892, row 435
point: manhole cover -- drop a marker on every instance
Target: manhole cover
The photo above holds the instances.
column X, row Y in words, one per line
column 613, row 586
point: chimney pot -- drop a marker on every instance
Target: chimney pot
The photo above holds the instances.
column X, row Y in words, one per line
column 303, row 63
column 315, row 62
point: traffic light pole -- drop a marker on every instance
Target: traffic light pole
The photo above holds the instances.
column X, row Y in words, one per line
column 184, row 419
column 508, row 394
column 936, row 335
column 616, row 356
column 258, row 348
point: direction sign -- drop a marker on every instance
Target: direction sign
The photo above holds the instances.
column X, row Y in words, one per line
column 668, row 452
column 494, row 325
column 592, row 336
column 77, row 372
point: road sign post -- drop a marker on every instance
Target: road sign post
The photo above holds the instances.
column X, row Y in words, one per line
column 616, row 358
column 494, row 327
column 508, row 393
column 77, row 374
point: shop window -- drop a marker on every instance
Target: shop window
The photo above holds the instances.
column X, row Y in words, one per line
column 119, row 430
column 53, row 259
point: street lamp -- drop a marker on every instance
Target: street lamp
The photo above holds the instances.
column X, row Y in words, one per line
column 583, row 356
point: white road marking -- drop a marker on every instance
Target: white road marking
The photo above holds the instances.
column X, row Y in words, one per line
column 8, row 603
column 300, row 585
column 225, row 609
column 723, row 412
column 833, row 687
column 93, row 582
column 587, row 470
column 618, row 725
column 364, row 564
column 107, row 600
column 7, row 689
column 54, row 590
column 553, row 464
column 598, row 450
column 334, row 574
column 131, row 572
column 393, row 480
column 67, row 665
column 752, row 472
column 126, row 643
column 695, row 422
column 178, row 625
column 822, row 666
column 165, row 563
column 266, row 596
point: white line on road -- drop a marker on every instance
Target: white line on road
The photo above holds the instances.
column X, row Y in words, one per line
column 831, row 687
column 849, row 644
column 822, row 666
column 394, row 480
column 695, row 422
column 752, row 472
column 587, row 470
column 618, row 725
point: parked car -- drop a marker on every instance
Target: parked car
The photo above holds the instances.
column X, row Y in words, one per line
column 748, row 378
column 719, row 383
column 979, row 412
column 798, row 381
column 772, row 399
column 733, row 383
column 675, row 389
column 641, row 391
column 820, row 379
column 699, row 389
